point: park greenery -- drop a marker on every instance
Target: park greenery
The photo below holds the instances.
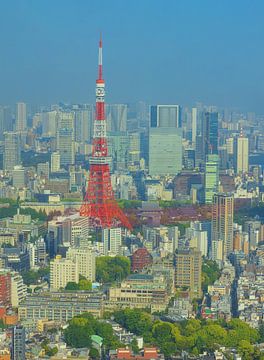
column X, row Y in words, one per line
column 81, row 328
column 194, row 336
column 111, row 269
column 33, row 277
column 83, row 284
column 210, row 273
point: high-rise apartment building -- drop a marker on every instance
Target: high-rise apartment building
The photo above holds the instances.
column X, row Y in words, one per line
column 12, row 150
column 84, row 256
column 112, row 241
column 241, row 151
column 165, row 151
column 211, row 177
column 18, row 289
column 188, row 272
column 222, row 226
column 21, row 116
column 18, row 343
column 62, row 271
column 168, row 116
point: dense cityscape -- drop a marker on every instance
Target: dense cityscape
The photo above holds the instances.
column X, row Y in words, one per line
column 131, row 231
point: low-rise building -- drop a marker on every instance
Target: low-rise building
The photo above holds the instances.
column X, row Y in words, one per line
column 140, row 291
column 60, row 306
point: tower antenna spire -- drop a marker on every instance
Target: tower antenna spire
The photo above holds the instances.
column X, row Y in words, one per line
column 100, row 59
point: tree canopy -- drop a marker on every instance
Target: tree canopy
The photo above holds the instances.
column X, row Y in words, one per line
column 210, row 273
column 81, row 328
column 194, row 336
column 83, row 284
column 110, row 269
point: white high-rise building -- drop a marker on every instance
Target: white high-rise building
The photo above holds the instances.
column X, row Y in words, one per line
column 112, row 240
column 194, row 124
column 21, row 116
column 18, row 289
column 85, row 258
column 63, row 271
column 241, row 154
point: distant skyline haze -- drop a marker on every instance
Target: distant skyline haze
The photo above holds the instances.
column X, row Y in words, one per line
column 159, row 51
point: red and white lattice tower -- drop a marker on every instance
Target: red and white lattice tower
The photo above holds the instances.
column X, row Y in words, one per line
column 99, row 204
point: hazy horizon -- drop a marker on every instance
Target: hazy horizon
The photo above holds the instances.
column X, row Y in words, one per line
column 157, row 51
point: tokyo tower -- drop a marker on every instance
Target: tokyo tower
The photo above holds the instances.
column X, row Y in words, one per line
column 99, row 204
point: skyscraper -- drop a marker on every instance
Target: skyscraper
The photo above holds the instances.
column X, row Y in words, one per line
column 165, row 151
column 118, row 145
column 12, row 150
column 211, row 177
column 222, row 226
column 194, row 124
column 210, row 133
column 18, row 343
column 83, row 118
column 241, row 154
column 49, row 122
column 6, row 122
column 21, row 116
column 116, row 117
column 165, row 116
column 65, row 138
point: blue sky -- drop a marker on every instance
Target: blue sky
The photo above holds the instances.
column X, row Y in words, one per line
column 160, row 51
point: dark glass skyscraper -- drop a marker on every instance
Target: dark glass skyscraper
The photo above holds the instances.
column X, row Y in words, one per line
column 210, row 133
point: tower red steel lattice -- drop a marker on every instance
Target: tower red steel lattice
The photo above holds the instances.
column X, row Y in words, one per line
column 99, row 203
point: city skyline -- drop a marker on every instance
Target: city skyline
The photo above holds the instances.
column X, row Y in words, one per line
column 208, row 52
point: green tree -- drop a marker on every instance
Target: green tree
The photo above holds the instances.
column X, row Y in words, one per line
column 94, row 354
column 210, row 273
column 30, row 277
column 78, row 333
column 246, row 350
column 134, row 346
column 72, row 286
column 110, row 269
column 84, row 285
